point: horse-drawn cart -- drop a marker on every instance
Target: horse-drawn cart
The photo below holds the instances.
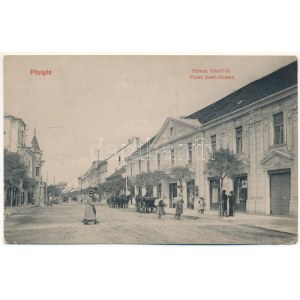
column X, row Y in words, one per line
column 146, row 204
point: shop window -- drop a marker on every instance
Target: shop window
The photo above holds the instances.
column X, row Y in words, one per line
column 241, row 190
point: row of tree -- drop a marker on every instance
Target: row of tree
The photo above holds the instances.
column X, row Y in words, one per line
column 221, row 165
column 18, row 186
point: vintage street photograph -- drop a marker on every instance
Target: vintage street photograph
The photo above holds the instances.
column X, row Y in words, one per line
column 150, row 149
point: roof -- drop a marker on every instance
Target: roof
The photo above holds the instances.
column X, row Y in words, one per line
column 34, row 144
column 15, row 119
column 144, row 146
column 117, row 173
column 275, row 82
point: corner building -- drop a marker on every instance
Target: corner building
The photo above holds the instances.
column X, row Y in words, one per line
column 258, row 122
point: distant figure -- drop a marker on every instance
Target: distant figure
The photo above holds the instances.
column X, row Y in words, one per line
column 224, row 203
column 231, row 204
column 179, row 209
column 90, row 210
column 161, row 206
column 202, row 205
column 50, row 200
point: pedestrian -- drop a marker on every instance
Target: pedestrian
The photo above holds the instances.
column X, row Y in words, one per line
column 202, row 205
column 90, row 210
column 179, row 209
column 224, row 204
column 50, row 200
column 161, row 206
column 231, row 204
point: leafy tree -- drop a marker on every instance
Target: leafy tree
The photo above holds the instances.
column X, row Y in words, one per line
column 147, row 179
column 224, row 164
column 54, row 189
column 181, row 173
column 15, row 170
column 16, row 176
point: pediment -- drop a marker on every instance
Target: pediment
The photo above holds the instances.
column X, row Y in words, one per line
column 173, row 129
column 277, row 159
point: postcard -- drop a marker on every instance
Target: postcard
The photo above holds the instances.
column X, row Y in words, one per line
column 150, row 149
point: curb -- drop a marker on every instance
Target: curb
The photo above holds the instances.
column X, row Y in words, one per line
column 7, row 214
column 238, row 223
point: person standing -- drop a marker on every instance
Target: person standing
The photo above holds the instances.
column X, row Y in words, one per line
column 202, row 205
column 50, row 200
column 224, row 204
column 161, row 206
column 90, row 210
column 231, row 204
column 179, row 209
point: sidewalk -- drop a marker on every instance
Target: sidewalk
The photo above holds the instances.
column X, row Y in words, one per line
column 8, row 211
column 276, row 223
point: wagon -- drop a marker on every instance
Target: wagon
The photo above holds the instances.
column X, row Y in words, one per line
column 145, row 204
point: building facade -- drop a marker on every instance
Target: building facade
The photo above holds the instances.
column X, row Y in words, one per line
column 112, row 160
column 15, row 132
column 258, row 123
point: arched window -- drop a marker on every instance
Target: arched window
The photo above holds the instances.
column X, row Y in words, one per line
column 171, row 131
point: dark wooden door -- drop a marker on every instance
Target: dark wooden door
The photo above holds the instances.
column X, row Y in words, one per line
column 280, row 190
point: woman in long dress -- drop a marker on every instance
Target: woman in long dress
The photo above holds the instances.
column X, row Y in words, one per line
column 90, row 210
column 179, row 209
column 161, row 207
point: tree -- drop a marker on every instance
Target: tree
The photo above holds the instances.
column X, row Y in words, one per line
column 15, row 170
column 224, row 163
column 181, row 173
column 16, row 176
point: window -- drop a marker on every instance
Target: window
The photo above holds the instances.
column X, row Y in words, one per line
column 171, row 131
column 239, row 139
column 190, row 146
column 140, row 166
column 37, row 171
column 278, row 128
column 148, row 165
column 172, row 157
column 131, row 169
column 20, row 137
column 213, row 141
column 158, row 161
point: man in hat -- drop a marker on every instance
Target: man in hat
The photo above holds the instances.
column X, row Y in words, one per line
column 231, row 204
column 90, row 210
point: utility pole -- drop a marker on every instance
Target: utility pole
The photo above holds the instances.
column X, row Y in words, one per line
column 47, row 187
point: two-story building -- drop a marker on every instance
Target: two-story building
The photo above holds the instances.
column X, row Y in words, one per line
column 15, row 132
column 258, row 122
column 112, row 159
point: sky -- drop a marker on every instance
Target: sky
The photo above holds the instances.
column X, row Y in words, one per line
column 88, row 98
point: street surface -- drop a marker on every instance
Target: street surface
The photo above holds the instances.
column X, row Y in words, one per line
column 61, row 224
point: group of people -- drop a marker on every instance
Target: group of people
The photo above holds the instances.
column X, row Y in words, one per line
column 178, row 208
column 90, row 210
column 231, row 199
